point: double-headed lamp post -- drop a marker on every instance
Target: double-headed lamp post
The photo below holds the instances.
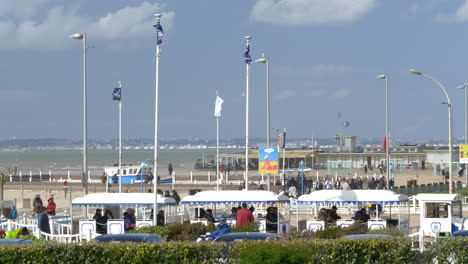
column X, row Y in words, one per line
column 449, row 104
column 266, row 60
column 387, row 136
column 465, row 86
column 84, row 176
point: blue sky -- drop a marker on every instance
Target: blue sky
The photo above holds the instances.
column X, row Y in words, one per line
column 324, row 55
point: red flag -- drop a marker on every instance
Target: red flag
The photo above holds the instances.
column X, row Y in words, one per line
column 385, row 144
column 339, row 115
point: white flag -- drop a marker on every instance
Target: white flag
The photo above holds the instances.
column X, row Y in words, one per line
column 218, row 104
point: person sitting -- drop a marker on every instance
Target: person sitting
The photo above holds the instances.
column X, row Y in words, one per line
column 209, row 216
column 233, row 213
column 13, row 213
column 129, row 219
column 324, row 215
column 51, row 206
column 244, row 216
column 333, row 214
column 101, row 222
column 223, row 227
column 271, row 220
column 160, row 218
column 361, row 215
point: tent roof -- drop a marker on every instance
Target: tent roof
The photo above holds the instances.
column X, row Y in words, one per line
column 223, row 197
column 353, row 196
column 124, row 199
column 438, row 197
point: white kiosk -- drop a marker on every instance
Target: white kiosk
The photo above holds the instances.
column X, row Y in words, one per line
column 441, row 214
column 357, row 198
column 117, row 202
column 222, row 201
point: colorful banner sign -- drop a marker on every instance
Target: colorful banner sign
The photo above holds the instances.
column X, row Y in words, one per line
column 268, row 160
column 463, row 153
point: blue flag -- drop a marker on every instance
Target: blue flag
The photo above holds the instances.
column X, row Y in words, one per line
column 247, row 54
column 159, row 34
column 117, row 94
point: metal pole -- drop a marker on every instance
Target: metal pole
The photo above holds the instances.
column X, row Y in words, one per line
column 84, row 177
column 387, row 134
column 466, row 127
column 156, row 114
column 268, row 100
column 449, row 104
column 217, row 151
column 247, row 71
column 120, row 140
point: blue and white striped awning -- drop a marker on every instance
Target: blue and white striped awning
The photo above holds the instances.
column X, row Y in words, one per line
column 122, row 199
column 235, row 197
column 353, row 196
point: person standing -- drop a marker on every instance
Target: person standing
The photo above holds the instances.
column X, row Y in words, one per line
column 176, row 196
column 65, row 188
column 129, row 219
column 170, row 169
column 43, row 220
column 37, row 203
column 244, row 216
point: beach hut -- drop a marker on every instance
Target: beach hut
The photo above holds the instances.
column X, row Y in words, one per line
column 224, row 200
column 117, row 203
column 356, row 198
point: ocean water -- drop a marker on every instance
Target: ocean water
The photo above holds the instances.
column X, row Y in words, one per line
column 72, row 160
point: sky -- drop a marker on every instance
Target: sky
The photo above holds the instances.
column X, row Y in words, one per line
column 324, row 56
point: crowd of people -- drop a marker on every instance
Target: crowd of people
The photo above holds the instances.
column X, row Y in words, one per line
column 294, row 187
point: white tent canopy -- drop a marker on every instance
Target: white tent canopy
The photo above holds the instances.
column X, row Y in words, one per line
column 225, row 197
column 122, row 199
column 353, row 196
column 439, row 197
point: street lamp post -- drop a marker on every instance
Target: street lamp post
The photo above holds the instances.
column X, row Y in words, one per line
column 84, row 174
column 449, row 104
column 387, row 134
column 247, row 74
column 265, row 60
column 464, row 86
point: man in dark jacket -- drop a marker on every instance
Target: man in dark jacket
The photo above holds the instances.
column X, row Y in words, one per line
column 361, row 215
column 43, row 220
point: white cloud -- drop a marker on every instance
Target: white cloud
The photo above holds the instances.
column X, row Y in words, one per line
column 342, row 92
column 19, row 8
column 50, row 33
column 285, row 94
column 460, row 15
column 295, row 12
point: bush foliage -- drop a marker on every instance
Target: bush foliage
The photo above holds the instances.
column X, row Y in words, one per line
column 397, row 250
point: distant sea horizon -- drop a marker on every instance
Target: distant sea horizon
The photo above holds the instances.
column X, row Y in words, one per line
column 62, row 161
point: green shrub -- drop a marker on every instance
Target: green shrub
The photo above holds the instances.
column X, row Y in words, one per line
column 392, row 231
column 250, row 227
column 186, row 231
column 158, row 230
column 450, row 250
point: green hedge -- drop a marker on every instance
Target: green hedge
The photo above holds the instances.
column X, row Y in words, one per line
column 450, row 250
column 300, row 251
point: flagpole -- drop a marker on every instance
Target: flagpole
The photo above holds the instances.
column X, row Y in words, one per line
column 217, row 148
column 120, row 138
column 284, row 155
column 156, row 115
column 247, row 71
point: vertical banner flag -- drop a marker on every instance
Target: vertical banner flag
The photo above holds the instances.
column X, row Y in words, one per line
column 218, row 104
column 117, row 94
column 282, row 140
column 339, row 115
column 247, row 54
column 268, row 160
column 385, row 146
column 463, row 153
column 159, row 34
